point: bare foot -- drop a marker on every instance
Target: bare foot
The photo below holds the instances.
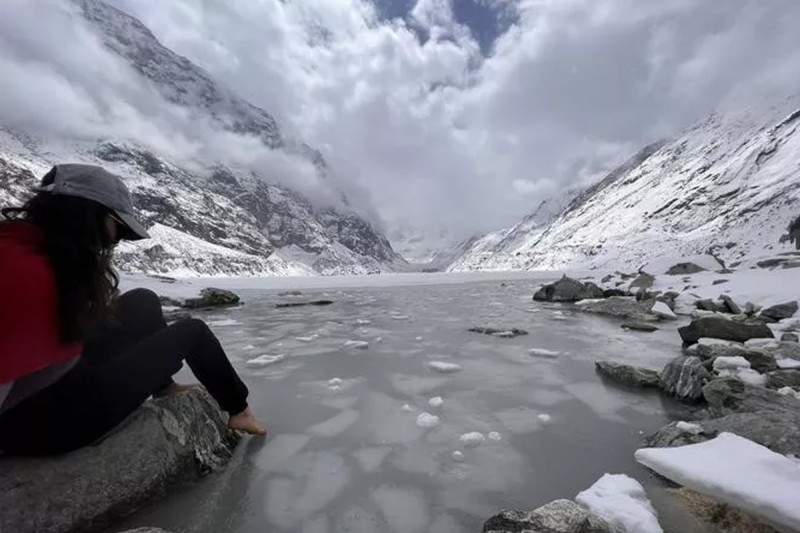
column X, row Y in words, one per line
column 246, row 421
column 172, row 389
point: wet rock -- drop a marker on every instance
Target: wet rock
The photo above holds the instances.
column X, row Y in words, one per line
column 710, row 305
column 560, row 516
column 626, row 308
column 719, row 281
column 608, row 293
column 729, row 395
column 639, row 326
column 713, row 348
column 779, row 379
column 684, row 378
column 318, row 303
column 568, row 290
column 730, row 306
column 631, row 376
column 783, row 350
column 771, row 263
column 165, row 442
column 718, row 516
column 608, row 278
column 750, row 308
column 682, row 269
column 643, row 281
column 760, row 360
column 506, row 333
column 211, row 298
column 781, row 311
column 722, row 328
column 790, row 337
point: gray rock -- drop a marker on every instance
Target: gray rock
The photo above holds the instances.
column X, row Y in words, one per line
column 632, row 376
column 760, row 360
column 608, row 293
column 722, row 328
column 730, row 305
column 507, row 333
column 783, row 378
column 750, row 309
column 712, row 351
column 643, row 281
column 685, row 268
column 729, row 395
column 790, row 337
column 315, row 303
column 638, row 326
column 621, row 307
column 568, row 290
column 719, row 281
column 710, row 305
column 210, row 298
column 166, row 441
column 684, row 378
column 560, row 516
column 781, row 311
column 783, row 350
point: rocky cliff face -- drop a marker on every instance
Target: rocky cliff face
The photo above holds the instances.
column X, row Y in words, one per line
column 729, row 186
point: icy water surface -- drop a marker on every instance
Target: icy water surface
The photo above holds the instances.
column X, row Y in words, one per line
column 350, row 446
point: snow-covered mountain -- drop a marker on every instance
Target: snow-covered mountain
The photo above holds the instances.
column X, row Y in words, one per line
column 209, row 219
column 728, row 186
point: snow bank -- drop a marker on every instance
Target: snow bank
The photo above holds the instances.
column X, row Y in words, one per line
column 623, row 502
column 736, row 471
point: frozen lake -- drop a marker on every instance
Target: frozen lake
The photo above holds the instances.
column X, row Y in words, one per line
column 350, row 446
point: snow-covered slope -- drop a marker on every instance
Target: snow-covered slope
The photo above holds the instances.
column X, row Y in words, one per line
column 233, row 208
column 729, row 186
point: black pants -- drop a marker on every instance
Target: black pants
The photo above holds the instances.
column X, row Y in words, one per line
column 118, row 371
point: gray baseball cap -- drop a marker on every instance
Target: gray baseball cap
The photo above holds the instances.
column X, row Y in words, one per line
column 97, row 184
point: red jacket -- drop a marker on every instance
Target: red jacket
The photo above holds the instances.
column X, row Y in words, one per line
column 29, row 329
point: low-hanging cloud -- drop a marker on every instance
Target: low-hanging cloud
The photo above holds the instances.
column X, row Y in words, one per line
column 444, row 132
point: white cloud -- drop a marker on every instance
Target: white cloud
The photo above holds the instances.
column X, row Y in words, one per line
column 438, row 133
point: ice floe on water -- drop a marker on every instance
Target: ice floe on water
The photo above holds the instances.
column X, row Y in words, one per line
column 495, row 435
column 358, row 345
column 458, row 456
column 265, row 360
column 436, row 401
column 310, row 338
column 224, row 322
column 335, row 425
column 404, row 509
column 544, row 418
column 370, row 459
column 413, row 385
column 363, row 322
column 471, row 439
column 444, row 367
column 427, row 420
column 623, row 502
column 542, row 352
column 407, row 408
column 400, row 317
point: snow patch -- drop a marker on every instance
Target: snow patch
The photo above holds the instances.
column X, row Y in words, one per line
column 622, row 501
column 688, row 427
column 787, row 363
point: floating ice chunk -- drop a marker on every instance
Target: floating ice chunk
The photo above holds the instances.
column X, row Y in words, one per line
column 224, row 322
column 310, row 338
column 688, row 427
column 436, row 401
column 334, row 381
column 458, row 456
column 736, row 471
column 661, row 309
column 265, row 360
column 248, row 347
column 335, row 425
column 541, row 352
column 443, row 367
column 279, row 450
column 427, row 420
column 400, row 317
column 623, row 502
column 419, row 338
column 407, row 408
column 358, row 345
column 788, row 391
column 363, row 322
column 731, row 363
column 335, row 388
column 414, row 385
column 405, row 510
column 471, row 439
column 545, row 418
column 378, row 340
column 787, row 363
column 495, row 436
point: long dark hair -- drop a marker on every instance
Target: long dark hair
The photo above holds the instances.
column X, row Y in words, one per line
column 79, row 250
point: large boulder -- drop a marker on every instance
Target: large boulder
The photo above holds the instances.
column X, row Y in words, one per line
column 621, row 307
column 684, row 378
column 560, row 516
column 568, row 290
column 632, row 376
column 682, row 269
column 781, row 311
column 783, row 378
column 721, row 328
column 728, row 395
column 165, row 442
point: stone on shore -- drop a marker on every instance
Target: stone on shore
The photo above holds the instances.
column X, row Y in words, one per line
column 621, row 307
column 165, row 442
column 780, row 311
column 684, row 378
column 568, row 290
column 631, row 376
column 506, row 333
column 721, row 328
column 211, row 298
column 783, row 378
column 560, row 516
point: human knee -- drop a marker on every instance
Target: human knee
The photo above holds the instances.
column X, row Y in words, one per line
column 140, row 299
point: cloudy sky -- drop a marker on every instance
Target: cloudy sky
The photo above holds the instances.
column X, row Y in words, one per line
column 465, row 114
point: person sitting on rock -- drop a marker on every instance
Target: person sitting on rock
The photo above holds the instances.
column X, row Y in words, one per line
column 75, row 358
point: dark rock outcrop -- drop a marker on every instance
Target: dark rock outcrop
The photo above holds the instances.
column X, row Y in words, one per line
column 166, row 441
column 731, row 306
column 639, row 326
column 621, row 307
column 684, row 378
column 722, row 328
column 631, row 376
column 210, row 298
column 682, row 269
column 317, row 303
column 568, row 290
column 780, row 311
column 560, row 516
column 790, row 337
